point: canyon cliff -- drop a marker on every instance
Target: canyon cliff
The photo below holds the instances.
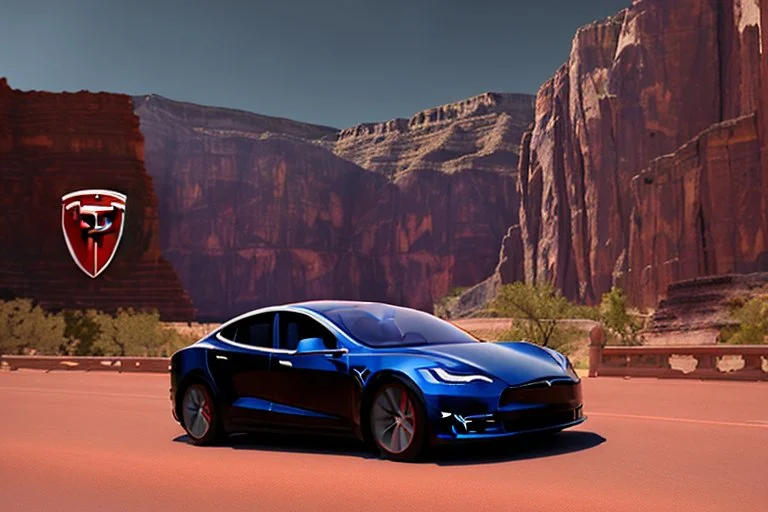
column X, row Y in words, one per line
column 258, row 210
column 763, row 112
column 52, row 144
column 665, row 92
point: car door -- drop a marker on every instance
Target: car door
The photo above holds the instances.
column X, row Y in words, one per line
column 312, row 390
column 241, row 367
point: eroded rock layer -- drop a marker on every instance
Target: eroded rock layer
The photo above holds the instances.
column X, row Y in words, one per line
column 700, row 211
column 52, row 144
column 479, row 133
column 637, row 86
column 763, row 112
column 260, row 211
column 695, row 311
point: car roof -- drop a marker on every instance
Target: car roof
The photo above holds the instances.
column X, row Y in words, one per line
column 323, row 306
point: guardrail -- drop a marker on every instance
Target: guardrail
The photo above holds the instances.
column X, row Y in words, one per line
column 88, row 364
column 727, row 362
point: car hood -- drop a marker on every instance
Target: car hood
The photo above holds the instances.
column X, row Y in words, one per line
column 513, row 362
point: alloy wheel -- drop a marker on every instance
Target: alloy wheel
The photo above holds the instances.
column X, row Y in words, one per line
column 394, row 419
column 197, row 411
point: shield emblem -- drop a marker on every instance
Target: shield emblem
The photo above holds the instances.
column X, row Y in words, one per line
column 92, row 222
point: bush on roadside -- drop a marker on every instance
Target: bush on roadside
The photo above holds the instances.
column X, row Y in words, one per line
column 25, row 328
column 131, row 333
column 752, row 318
column 82, row 330
column 622, row 327
column 563, row 339
column 537, row 310
column 585, row 312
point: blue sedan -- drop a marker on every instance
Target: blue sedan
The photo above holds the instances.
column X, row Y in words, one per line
column 399, row 379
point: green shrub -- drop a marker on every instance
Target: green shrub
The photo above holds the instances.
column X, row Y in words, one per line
column 82, row 330
column 752, row 317
column 131, row 333
column 622, row 327
column 585, row 312
column 25, row 328
column 563, row 338
column 536, row 308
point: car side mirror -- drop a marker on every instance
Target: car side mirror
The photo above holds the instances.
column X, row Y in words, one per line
column 308, row 346
column 311, row 345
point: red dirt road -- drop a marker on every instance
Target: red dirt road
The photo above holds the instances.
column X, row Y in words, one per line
column 80, row 442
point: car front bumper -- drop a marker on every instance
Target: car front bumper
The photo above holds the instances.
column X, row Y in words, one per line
column 494, row 425
column 507, row 412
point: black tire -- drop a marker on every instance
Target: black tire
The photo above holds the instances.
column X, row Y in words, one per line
column 398, row 423
column 199, row 415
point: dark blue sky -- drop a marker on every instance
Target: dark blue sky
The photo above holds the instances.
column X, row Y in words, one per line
column 334, row 62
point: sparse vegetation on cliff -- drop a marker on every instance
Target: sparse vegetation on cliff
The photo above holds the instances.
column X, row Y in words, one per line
column 25, row 328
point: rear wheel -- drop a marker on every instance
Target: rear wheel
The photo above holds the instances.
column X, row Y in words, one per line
column 398, row 422
column 199, row 415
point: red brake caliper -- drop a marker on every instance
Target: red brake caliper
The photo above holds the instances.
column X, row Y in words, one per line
column 206, row 412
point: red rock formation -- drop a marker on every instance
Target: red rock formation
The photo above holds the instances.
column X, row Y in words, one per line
column 764, row 84
column 479, row 133
column 695, row 310
column 52, row 144
column 260, row 212
column 637, row 86
column 700, row 211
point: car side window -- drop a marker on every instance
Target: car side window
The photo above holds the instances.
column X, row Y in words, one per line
column 255, row 331
column 296, row 326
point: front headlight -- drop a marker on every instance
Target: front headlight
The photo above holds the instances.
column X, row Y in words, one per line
column 437, row 375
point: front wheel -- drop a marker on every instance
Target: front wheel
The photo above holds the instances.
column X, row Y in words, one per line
column 200, row 415
column 398, row 423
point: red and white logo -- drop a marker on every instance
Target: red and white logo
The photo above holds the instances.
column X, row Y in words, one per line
column 92, row 222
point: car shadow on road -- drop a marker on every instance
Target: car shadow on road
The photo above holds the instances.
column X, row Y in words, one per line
column 516, row 449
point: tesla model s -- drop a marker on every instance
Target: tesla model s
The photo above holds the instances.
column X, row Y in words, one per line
column 399, row 379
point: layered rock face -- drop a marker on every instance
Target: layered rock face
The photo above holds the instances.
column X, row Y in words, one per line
column 637, row 86
column 52, row 144
column 695, row 310
column 478, row 134
column 763, row 112
column 700, row 211
column 260, row 211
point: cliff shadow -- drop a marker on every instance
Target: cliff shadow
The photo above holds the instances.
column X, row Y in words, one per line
column 482, row 452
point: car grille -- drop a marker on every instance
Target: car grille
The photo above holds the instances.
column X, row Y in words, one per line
column 539, row 419
column 544, row 392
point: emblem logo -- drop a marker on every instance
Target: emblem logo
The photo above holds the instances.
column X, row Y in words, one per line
column 92, row 222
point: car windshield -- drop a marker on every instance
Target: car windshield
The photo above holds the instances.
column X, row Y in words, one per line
column 381, row 325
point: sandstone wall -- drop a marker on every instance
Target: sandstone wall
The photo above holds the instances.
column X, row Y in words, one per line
column 260, row 211
column 700, row 211
column 637, row 86
column 52, row 144
column 764, row 84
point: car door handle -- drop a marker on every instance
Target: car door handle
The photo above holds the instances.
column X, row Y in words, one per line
column 223, row 358
column 285, row 363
